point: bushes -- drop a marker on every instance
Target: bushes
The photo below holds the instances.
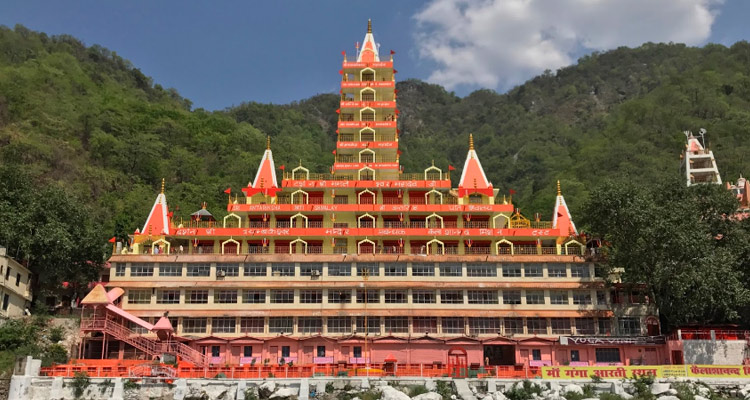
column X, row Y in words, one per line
column 416, row 390
column 80, row 382
column 524, row 391
column 55, row 354
column 445, row 389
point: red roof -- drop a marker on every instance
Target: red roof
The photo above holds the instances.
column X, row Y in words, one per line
column 128, row 316
column 473, row 178
column 163, row 324
column 157, row 222
column 562, row 219
column 265, row 179
column 694, row 144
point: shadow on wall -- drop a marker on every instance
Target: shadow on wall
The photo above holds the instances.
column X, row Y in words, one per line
column 717, row 352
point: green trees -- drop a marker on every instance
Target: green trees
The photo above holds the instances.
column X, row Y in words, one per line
column 682, row 243
column 49, row 230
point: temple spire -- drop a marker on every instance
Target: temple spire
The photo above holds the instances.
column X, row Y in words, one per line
column 369, row 51
column 473, row 178
column 562, row 219
column 158, row 219
column 268, row 142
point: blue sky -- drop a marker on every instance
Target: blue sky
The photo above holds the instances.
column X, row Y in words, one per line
column 219, row 54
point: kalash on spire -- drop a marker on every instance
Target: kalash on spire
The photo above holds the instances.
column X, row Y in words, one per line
column 365, row 264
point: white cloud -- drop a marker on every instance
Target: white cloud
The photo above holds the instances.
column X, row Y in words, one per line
column 500, row 43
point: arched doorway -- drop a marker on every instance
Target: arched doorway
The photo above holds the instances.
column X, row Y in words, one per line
column 457, row 362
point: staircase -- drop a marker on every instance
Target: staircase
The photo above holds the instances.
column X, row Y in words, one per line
column 149, row 346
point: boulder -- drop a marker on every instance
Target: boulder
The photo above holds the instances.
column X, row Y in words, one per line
column 498, row 396
column 430, row 385
column 672, row 392
column 428, row 396
column 703, row 391
column 390, row 393
column 658, row 388
column 268, row 385
column 573, row 388
column 284, row 393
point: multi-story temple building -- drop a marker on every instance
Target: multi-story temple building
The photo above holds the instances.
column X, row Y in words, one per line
column 367, row 264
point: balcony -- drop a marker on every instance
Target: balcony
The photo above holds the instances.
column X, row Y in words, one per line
column 370, row 84
column 380, row 137
column 368, row 101
column 368, row 124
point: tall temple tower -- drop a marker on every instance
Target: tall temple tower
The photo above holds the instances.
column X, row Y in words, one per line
column 698, row 163
column 367, row 145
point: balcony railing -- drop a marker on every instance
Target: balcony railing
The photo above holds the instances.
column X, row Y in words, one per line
column 299, row 248
column 350, row 177
column 354, row 158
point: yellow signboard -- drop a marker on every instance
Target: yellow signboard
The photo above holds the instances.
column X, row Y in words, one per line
column 658, row 371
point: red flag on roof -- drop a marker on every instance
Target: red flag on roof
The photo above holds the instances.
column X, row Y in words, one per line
column 511, row 191
column 229, row 190
column 343, row 53
column 338, row 111
column 113, row 239
column 451, row 168
column 334, row 152
column 393, row 52
column 282, row 167
column 341, row 72
column 394, row 71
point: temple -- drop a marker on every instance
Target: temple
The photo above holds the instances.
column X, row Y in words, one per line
column 367, row 264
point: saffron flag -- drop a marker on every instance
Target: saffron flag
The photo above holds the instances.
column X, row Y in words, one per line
column 282, row 167
column 451, row 168
column 229, row 190
column 113, row 239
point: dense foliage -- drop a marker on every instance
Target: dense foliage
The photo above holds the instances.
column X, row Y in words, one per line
column 683, row 244
column 88, row 124
column 27, row 336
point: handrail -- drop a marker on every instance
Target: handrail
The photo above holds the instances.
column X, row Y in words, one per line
column 151, row 347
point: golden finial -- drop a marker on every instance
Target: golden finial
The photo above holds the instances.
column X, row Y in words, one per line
column 369, row 26
column 433, row 162
column 471, row 141
column 300, row 162
column 162, row 185
column 558, row 188
column 268, row 142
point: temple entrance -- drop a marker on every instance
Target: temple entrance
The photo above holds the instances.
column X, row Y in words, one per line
column 500, row 355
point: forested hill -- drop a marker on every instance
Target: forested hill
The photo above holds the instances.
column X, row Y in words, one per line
column 88, row 119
